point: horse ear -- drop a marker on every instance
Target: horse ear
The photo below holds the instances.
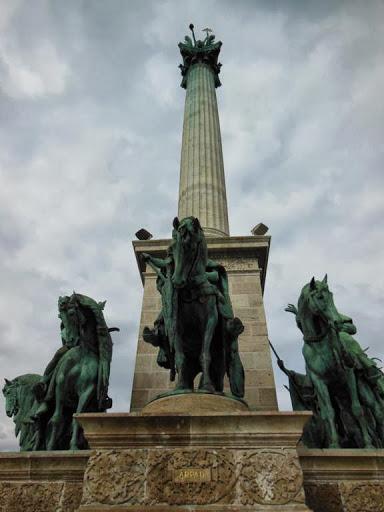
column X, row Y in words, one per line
column 7, row 381
column 312, row 284
column 196, row 224
column 176, row 222
column 102, row 304
column 325, row 280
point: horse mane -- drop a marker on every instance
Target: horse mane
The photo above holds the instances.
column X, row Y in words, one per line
column 27, row 379
column 303, row 299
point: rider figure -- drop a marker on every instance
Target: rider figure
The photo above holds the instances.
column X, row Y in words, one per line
column 44, row 390
column 163, row 331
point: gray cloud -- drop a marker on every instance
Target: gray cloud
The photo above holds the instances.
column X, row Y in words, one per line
column 91, row 118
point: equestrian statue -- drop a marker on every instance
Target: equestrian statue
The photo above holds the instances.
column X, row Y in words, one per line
column 76, row 380
column 196, row 331
column 343, row 387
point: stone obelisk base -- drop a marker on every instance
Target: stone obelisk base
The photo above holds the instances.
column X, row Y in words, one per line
column 223, row 461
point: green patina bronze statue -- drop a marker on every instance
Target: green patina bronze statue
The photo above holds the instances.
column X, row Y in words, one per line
column 76, row 380
column 196, row 330
column 206, row 51
column 343, row 386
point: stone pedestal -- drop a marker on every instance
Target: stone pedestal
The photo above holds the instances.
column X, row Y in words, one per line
column 343, row 480
column 199, row 403
column 242, row 461
column 41, row 481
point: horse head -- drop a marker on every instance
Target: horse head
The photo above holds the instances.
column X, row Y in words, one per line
column 189, row 250
column 316, row 309
column 10, row 395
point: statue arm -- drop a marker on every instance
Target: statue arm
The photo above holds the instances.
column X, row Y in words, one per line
column 291, row 308
column 157, row 262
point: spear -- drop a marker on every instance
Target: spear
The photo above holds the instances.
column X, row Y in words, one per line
column 287, row 372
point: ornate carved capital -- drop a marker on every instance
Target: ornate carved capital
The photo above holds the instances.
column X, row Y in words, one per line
column 204, row 52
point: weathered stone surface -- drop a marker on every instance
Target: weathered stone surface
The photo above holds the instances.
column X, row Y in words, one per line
column 238, row 430
column 348, row 480
column 41, row 481
column 323, row 497
column 161, row 487
column 270, row 477
column 231, row 461
column 34, row 497
column 199, row 403
column 363, row 496
column 113, row 477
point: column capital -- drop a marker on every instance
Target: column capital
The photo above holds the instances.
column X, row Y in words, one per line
column 200, row 51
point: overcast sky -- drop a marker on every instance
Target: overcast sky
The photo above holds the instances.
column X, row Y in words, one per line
column 91, row 121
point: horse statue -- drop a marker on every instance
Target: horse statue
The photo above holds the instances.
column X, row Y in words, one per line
column 80, row 380
column 76, row 380
column 342, row 386
column 196, row 330
column 20, row 402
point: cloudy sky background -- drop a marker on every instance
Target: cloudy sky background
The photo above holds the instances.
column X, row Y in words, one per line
column 90, row 133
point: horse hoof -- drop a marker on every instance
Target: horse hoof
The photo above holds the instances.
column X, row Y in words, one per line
column 207, row 388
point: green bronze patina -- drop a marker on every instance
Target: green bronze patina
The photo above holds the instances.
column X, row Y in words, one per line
column 343, row 386
column 76, row 380
column 196, row 330
column 200, row 51
column 21, row 403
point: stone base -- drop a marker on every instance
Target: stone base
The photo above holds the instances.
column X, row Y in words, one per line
column 203, row 508
column 242, row 461
column 343, row 480
column 198, row 403
column 41, row 481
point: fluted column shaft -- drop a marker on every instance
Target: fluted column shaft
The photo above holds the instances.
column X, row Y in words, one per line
column 202, row 182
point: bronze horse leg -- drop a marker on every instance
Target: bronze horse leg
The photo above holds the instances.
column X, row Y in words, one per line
column 356, row 408
column 54, row 424
column 84, row 399
column 327, row 412
column 205, row 355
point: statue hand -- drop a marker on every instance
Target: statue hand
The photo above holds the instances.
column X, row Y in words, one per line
column 291, row 308
column 280, row 364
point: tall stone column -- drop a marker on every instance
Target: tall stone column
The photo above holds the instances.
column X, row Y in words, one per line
column 202, row 182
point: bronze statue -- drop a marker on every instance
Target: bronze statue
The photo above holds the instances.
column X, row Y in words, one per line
column 343, row 386
column 76, row 380
column 196, row 330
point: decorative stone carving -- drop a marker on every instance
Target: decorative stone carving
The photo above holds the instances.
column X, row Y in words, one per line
column 31, row 497
column 114, row 477
column 71, row 497
column 362, row 496
column 236, row 263
column 270, row 477
column 165, row 464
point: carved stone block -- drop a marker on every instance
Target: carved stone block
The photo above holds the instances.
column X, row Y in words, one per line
column 162, row 487
column 363, row 496
column 270, row 477
column 31, row 497
column 114, row 477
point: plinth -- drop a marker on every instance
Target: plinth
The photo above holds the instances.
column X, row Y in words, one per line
column 196, row 461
